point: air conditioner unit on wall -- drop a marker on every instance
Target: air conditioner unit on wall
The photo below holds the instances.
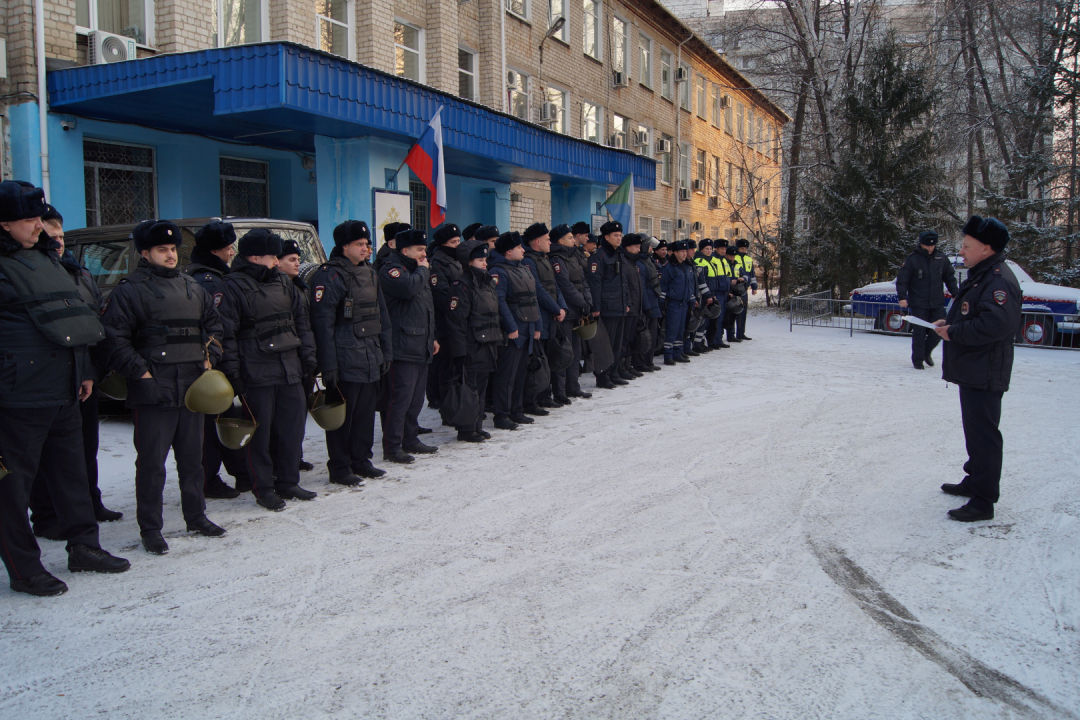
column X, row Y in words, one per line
column 107, row 48
column 620, row 79
column 682, row 224
column 684, row 193
column 511, row 78
column 699, row 185
column 618, row 140
column 681, row 75
column 698, row 227
column 641, row 139
column 663, row 147
column 725, row 101
column 549, row 112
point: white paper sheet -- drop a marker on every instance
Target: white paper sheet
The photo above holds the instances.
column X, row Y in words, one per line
column 918, row 321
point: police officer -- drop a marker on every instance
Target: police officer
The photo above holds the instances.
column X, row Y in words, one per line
column 552, row 304
column 475, row 333
column 581, row 235
column 919, row 286
column 650, row 305
column 738, row 287
column 591, row 243
column 678, row 285
column 695, row 338
column 160, row 327
column 519, row 315
column 487, row 234
column 611, row 298
column 704, row 260
column 269, row 357
column 978, row 334
column 660, row 253
column 724, row 278
column 289, row 262
column 214, row 250
column 744, row 268
column 445, row 269
column 469, row 231
column 629, row 249
column 353, row 338
column 405, row 277
column 390, row 231
column 45, row 329
column 568, row 262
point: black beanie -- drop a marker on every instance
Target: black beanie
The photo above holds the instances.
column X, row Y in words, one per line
column 507, row 241
column 408, row 238
column 20, row 201
column 631, row 239
column 351, row 231
column 445, row 233
column 611, row 226
column 486, row 232
column 467, row 233
column 559, row 232
column 215, row 235
column 928, row 237
column 151, row 233
column 534, row 231
column 289, row 247
column 470, row 250
column 580, row 228
column 989, row 231
column 260, row 241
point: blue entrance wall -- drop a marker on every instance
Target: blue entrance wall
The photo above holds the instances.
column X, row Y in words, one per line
column 571, row 202
column 26, row 143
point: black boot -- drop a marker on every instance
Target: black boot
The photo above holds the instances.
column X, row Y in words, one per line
column 295, row 492
column 505, row 423
column 603, row 382
column 470, row 436
column 305, row 466
column 420, row 448
column 43, row 585
column 83, row 558
column 271, row 501
column 203, row 526
column 398, row 456
column 579, row 394
column 928, row 360
column 521, row 418
column 972, row 513
column 669, row 361
column 918, row 364
column 367, row 470
column 535, row 410
column 215, row 487
column 958, row 490
column 349, row 480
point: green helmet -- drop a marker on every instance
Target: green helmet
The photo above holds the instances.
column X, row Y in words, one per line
column 329, row 414
column 211, row 393
column 234, row 433
column 586, row 330
column 113, row 386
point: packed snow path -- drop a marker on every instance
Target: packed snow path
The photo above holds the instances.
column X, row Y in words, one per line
column 758, row 534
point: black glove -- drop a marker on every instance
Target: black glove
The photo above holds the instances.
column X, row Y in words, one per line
column 237, row 385
column 330, row 378
column 384, row 368
column 308, row 369
column 459, row 363
column 585, row 310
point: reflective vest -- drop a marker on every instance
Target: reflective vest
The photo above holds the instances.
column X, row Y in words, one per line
column 521, row 295
column 271, row 324
column 171, row 332
column 744, row 264
column 360, row 306
column 703, row 262
column 723, row 269
column 49, row 295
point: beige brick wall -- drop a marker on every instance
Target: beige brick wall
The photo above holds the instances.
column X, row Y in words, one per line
column 183, row 25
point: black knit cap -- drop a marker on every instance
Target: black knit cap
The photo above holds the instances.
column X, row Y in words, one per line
column 260, row 241
column 470, row 250
column 508, row 241
column 486, row 232
column 631, row 239
column 390, row 230
column 215, row 235
column 351, row 231
column 928, row 237
column 408, row 238
column 152, row 233
column 989, row 231
column 51, row 214
column 611, row 226
column 742, row 243
column 470, row 230
column 20, row 201
column 534, row 231
column 559, row 232
column 289, row 247
column 445, row 233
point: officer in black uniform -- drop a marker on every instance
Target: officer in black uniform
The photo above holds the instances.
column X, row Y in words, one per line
column 474, row 333
column 445, row 269
column 353, row 339
column 611, row 298
column 629, row 249
column 519, row 315
column 405, row 278
column 568, row 262
column 289, row 264
column 469, row 231
column 919, row 289
column 978, row 334
column 390, row 231
column 159, row 326
column 45, row 328
column 552, row 304
column 269, row 355
column 214, row 250
column 487, row 234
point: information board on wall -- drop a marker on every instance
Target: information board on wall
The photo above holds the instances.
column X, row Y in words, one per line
column 390, row 206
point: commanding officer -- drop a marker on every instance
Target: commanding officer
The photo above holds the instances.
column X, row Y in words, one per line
column 919, row 287
column 406, row 283
column 744, row 268
column 678, row 285
column 519, row 314
column 475, row 335
column 979, row 333
column 390, row 231
column 568, row 262
column 159, row 326
column 629, row 249
column 611, row 298
column 269, row 355
column 551, row 302
column 214, row 250
column 45, row 328
column 353, row 340
column 445, row 269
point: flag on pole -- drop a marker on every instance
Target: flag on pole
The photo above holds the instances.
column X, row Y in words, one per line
column 621, row 204
column 426, row 160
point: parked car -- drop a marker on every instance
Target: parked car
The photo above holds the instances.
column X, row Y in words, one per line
column 1051, row 313
column 109, row 252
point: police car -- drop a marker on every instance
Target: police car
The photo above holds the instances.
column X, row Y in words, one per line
column 1051, row 313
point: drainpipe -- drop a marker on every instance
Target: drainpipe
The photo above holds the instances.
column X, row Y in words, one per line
column 677, row 150
column 43, row 93
column 502, row 44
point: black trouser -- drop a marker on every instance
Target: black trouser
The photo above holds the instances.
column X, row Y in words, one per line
column 645, row 359
column 477, row 381
column 350, row 445
column 924, row 340
column 545, row 392
column 981, row 413
column 509, row 385
column 440, row 374
column 729, row 324
column 567, row 381
column 401, row 421
column 281, row 411
column 156, row 432
column 50, row 440
column 614, row 328
column 740, row 319
column 214, row 453
column 42, row 513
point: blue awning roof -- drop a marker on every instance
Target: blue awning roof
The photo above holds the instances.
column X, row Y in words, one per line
column 282, row 95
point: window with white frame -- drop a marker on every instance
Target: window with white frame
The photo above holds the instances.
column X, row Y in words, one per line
column 702, row 95
column 620, row 30
column 760, row 133
column 750, row 127
column 740, row 182
column 702, row 169
column 665, row 229
column 120, row 183
column 684, row 88
column 644, row 225
column 714, row 178
column 517, row 94
column 519, row 8
column 665, row 162
column 332, row 26
column 644, row 141
column 591, row 29
column 729, row 123
column 556, row 10
column 717, row 105
column 740, row 122
column 466, row 62
column 130, row 18
column 236, row 22
column 592, row 121
column 244, row 187
column 556, row 99
column 665, row 74
column 645, row 58
column 620, row 126
column 730, row 185
column 408, row 51
column 684, row 165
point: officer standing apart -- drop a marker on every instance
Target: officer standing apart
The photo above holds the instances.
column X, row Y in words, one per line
column 611, row 298
column 159, row 327
column 568, row 262
column 269, row 355
column 445, row 269
column 978, row 334
column 744, row 268
column 405, row 277
column 353, row 340
column 45, row 328
column 919, row 288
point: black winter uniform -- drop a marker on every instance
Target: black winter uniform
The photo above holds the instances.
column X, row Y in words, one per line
column 519, row 312
column 920, row 281
column 635, row 289
column 158, row 322
column 611, row 297
column 354, row 343
column 983, row 321
column 551, row 303
column 569, row 266
column 445, row 269
column 475, row 333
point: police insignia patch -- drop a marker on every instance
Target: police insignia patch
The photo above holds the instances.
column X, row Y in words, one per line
column 217, row 298
column 964, row 308
column 395, row 273
column 1000, row 297
column 434, row 279
column 557, row 267
column 593, row 268
column 453, row 303
column 318, row 292
column 495, row 279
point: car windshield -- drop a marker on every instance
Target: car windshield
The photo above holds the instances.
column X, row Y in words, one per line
column 304, row 237
column 108, row 262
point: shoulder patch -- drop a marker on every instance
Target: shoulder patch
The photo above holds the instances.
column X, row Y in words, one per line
column 453, row 303
column 1000, row 296
column 217, row 298
column 394, row 273
column 592, row 268
column 434, row 279
column 965, row 308
column 557, row 267
column 495, row 278
column 319, row 289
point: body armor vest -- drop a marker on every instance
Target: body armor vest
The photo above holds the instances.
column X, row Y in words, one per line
column 171, row 330
column 271, row 324
column 521, row 295
column 361, row 303
column 484, row 318
column 51, row 298
column 652, row 275
column 575, row 264
column 545, row 272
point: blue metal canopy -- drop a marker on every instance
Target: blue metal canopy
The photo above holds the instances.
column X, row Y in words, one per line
column 282, row 95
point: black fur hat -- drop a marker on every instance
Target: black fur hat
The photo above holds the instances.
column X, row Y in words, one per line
column 611, row 226
column 507, row 242
column 408, row 238
column 152, row 233
column 260, row 241
column 580, row 228
column 444, row 233
column 19, row 201
column 289, row 247
column 351, row 231
column 534, row 231
column 486, row 232
column 989, row 231
column 215, row 235
column 470, row 230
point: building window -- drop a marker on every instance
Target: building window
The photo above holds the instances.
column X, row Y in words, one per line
column 644, row 225
column 620, row 126
column 750, row 127
column 728, row 121
column 645, row 60
column 717, row 105
column 236, row 22
column 776, row 146
column 517, row 94
column 557, row 98
column 619, row 39
column 714, row 186
column 556, row 10
column 244, row 186
column 665, row 74
column 766, row 144
column 806, row 223
column 644, row 141
column 701, row 169
column 760, row 133
column 702, row 94
column 591, row 34
column 665, row 162
column 665, row 229
column 408, row 51
column 592, row 120
column 130, row 18
column 684, row 89
column 466, row 74
column 739, row 191
column 120, row 183
column 519, row 8
column 332, row 26
column 740, row 122
column 729, row 186
column 684, row 165
column 421, row 197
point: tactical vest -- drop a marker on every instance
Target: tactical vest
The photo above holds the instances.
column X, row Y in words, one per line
column 170, row 331
column 545, row 272
column 484, row 319
column 360, row 306
column 271, row 324
column 575, row 265
column 652, row 275
column 521, row 295
column 51, row 298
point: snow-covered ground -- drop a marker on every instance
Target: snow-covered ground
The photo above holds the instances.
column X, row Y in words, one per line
column 758, row 534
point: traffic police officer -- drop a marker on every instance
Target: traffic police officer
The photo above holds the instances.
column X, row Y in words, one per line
column 161, row 326
column 445, row 269
column 269, row 357
column 568, row 262
column 744, row 268
column 519, row 314
column 678, row 285
column 611, row 298
column 552, row 304
column 45, row 328
column 919, row 286
column 704, row 260
column 738, row 287
column 724, row 278
column 979, row 332
column 353, row 340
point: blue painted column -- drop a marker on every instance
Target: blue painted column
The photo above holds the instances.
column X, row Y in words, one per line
column 25, row 143
column 571, row 202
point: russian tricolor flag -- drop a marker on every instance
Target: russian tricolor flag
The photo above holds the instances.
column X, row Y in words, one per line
column 426, row 160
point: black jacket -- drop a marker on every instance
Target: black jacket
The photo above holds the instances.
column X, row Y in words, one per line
column 209, row 271
column 633, row 283
column 983, row 321
column 608, row 282
column 569, row 266
column 475, row 326
column 91, row 295
column 407, row 289
column 445, row 269
column 381, row 255
column 922, row 277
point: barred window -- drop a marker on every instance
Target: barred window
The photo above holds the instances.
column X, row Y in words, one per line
column 421, row 198
column 244, row 187
column 644, row 225
column 665, row 229
column 120, row 182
